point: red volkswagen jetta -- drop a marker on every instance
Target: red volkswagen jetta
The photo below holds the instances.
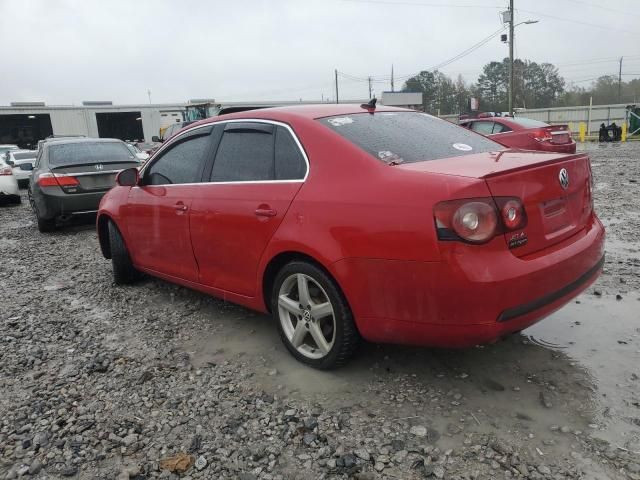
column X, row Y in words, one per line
column 519, row 132
column 349, row 222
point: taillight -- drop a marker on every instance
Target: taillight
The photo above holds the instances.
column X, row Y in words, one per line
column 512, row 211
column 478, row 220
column 542, row 135
column 52, row 180
column 6, row 171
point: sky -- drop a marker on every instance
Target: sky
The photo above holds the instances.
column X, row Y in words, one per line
column 66, row 51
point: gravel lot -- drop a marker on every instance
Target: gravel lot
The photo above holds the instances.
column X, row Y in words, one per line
column 100, row 381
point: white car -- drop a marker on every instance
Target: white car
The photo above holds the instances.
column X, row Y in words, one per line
column 5, row 147
column 8, row 184
column 22, row 162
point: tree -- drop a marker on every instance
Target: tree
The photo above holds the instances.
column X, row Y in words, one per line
column 535, row 85
column 424, row 82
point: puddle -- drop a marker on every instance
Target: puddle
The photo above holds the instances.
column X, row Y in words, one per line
column 584, row 357
column 603, row 336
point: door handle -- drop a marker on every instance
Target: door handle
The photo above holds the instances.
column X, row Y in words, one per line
column 265, row 212
column 181, row 207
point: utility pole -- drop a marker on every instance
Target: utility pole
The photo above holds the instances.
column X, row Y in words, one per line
column 337, row 98
column 149, row 94
column 511, row 76
column 392, row 77
column 369, row 88
column 620, row 82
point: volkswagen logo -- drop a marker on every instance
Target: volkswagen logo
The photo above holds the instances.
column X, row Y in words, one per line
column 99, row 166
column 563, row 177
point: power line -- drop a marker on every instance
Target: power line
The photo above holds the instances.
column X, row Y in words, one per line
column 595, row 25
column 607, row 8
column 464, row 53
column 422, row 4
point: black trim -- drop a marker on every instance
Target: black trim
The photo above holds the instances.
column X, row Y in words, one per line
column 511, row 313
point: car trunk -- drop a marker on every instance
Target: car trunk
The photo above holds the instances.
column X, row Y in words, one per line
column 554, row 213
column 89, row 177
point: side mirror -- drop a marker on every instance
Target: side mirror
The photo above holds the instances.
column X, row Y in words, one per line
column 9, row 162
column 128, row 177
column 156, row 139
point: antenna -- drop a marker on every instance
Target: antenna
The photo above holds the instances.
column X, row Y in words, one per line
column 371, row 104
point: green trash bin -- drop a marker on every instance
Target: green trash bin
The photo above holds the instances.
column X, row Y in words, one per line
column 634, row 120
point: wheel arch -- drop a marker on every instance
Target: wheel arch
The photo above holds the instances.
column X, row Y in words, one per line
column 102, row 226
column 280, row 260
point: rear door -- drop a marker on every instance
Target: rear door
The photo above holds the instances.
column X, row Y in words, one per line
column 258, row 169
column 158, row 210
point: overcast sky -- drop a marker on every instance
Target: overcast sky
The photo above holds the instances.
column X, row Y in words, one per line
column 67, row 51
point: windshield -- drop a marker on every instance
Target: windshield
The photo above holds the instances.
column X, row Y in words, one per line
column 89, row 152
column 406, row 137
column 528, row 123
column 24, row 155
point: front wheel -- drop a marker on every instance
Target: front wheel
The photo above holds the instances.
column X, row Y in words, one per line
column 313, row 317
column 123, row 270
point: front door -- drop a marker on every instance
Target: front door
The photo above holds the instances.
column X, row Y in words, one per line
column 257, row 171
column 159, row 207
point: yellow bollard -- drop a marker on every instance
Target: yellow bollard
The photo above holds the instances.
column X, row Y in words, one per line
column 623, row 135
column 583, row 131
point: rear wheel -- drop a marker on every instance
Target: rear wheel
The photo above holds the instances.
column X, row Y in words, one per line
column 44, row 224
column 123, row 270
column 313, row 317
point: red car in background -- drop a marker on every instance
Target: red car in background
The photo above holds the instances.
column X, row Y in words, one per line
column 524, row 133
column 348, row 222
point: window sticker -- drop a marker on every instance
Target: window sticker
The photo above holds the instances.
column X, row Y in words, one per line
column 389, row 157
column 463, row 147
column 340, row 121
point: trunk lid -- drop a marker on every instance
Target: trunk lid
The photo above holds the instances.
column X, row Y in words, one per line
column 554, row 212
column 92, row 177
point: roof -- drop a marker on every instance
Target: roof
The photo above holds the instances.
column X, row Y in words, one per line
column 306, row 112
column 62, row 140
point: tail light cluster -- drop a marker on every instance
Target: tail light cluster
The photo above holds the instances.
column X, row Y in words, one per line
column 60, row 180
column 6, row 171
column 478, row 220
column 542, row 135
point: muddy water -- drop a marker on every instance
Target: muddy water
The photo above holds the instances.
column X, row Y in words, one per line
column 602, row 336
column 580, row 362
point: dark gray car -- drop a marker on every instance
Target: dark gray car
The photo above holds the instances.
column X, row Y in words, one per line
column 71, row 176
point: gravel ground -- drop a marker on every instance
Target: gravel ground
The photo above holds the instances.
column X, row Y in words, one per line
column 156, row 381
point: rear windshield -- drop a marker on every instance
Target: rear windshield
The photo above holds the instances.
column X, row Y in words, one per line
column 407, row 137
column 89, row 152
column 528, row 123
column 24, row 156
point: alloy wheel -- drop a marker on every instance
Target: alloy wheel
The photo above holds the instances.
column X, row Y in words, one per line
column 306, row 316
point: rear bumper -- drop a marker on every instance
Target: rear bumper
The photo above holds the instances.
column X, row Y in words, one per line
column 9, row 186
column 54, row 204
column 469, row 298
column 561, row 148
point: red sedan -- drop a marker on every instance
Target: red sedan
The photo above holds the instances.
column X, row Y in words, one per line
column 348, row 222
column 518, row 132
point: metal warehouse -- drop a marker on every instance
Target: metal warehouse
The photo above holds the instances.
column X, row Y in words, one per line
column 24, row 123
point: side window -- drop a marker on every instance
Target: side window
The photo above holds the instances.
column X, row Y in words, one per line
column 499, row 128
column 289, row 162
column 484, row 128
column 181, row 163
column 245, row 153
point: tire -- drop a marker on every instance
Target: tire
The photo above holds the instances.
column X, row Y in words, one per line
column 123, row 270
column 45, row 224
column 329, row 315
